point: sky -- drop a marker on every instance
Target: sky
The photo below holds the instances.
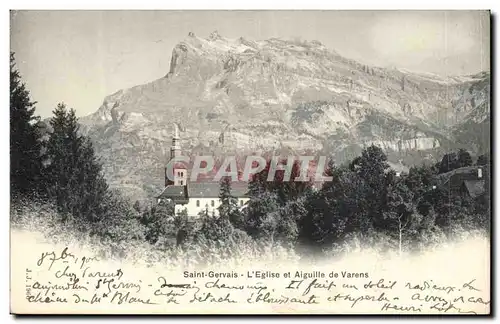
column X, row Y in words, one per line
column 79, row 57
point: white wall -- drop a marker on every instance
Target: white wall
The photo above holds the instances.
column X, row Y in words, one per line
column 193, row 209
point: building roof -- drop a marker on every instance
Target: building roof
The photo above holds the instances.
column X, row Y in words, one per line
column 173, row 192
column 180, row 165
column 212, row 189
column 474, row 187
column 464, row 178
column 202, row 190
column 455, row 177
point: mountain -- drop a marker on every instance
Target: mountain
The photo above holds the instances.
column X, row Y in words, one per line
column 474, row 130
column 244, row 96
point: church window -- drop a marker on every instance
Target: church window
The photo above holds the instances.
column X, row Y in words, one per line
column 197, row 203
column 212, row 203
column 241, row 202
column 182, row 183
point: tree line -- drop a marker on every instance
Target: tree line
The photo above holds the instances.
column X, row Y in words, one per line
column 366, row 202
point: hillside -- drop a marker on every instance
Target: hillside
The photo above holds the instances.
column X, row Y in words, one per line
column 279, row 95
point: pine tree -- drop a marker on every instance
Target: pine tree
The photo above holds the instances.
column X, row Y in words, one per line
column 25, row 144
column 483, row 159
column 213, row 230
column 229, row 204
column 464, row 158
column 76, row 183
column 372, row 169
column 449, row 162
column 263, row 215
column 160, row 221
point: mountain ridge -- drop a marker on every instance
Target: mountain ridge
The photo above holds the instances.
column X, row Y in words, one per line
column 278, row 95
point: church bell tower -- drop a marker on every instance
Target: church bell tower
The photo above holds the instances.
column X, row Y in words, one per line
column 179, row 168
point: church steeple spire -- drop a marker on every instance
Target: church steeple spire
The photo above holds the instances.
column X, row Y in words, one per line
column 175, row 149
column 179, row 170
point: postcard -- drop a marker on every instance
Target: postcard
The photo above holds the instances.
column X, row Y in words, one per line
column 250, row 162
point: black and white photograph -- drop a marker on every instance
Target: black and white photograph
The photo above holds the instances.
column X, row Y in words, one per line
column 250, row 162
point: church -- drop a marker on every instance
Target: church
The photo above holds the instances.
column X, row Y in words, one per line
column 198, row 196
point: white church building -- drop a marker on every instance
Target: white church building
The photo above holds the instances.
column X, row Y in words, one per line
column 198, row 196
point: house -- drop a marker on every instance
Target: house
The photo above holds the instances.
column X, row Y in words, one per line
column 465, row 182
column 195, row 197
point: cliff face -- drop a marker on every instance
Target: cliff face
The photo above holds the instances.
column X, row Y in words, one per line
column 277, row 95
column 474, row 129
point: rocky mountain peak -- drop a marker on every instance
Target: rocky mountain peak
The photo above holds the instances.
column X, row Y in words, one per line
column 277, row 94
column 214, row 36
